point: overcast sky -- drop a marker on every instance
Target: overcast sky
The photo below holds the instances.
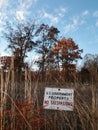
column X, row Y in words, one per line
column 77, row 19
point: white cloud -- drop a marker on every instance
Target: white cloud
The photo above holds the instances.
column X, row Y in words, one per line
column 61, row 11
column 15, row 10
column 4, row 3
column 1, row 22
column 55, row 16
column 26, row 4
column 97, row 23
column 85, row 13
column 23, row 8
column 35, row 1
column 3, row 12
column 76, row 22
column 20, row 15
column 95, row 14
column 72, row 26
column 51, row 17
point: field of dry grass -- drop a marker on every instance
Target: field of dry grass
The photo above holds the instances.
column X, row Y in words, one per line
column 21, row 105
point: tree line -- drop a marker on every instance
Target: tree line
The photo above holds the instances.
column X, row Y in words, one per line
column 56, row 53
column 89, row 70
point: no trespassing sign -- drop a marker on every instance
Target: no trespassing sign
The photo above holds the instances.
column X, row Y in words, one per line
column 58, row 99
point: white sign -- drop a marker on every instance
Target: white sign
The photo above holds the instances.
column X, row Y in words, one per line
column 59, row 99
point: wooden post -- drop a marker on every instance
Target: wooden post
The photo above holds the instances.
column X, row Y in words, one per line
column 2, row 103
column 93, row 97
column 26, row 84
column 96, row 105
column 12, row 94
column 30, row 88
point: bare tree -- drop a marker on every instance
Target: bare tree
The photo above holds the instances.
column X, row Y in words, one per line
column 47, row 38
column 20, row 42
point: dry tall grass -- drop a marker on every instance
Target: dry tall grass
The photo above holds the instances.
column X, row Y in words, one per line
column 22, row 105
